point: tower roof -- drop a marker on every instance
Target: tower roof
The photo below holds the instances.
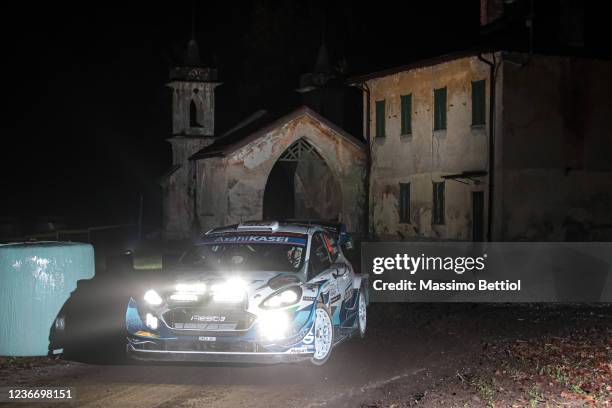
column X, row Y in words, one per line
column 192, row 54
column 192, row 68
column 322, row 64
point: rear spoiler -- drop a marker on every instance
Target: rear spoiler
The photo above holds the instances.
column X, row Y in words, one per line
column 337, row 229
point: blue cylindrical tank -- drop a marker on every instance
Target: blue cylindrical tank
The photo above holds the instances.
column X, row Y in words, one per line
column 36, row 279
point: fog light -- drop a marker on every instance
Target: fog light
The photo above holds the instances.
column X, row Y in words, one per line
column 151, row 321
column 273, row 325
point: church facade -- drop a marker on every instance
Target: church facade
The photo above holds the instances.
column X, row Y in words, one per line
column 290, row 165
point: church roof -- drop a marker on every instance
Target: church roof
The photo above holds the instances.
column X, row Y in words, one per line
column 262, row 124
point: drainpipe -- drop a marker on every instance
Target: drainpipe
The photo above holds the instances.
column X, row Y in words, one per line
column 493, row 75
column 366, row 218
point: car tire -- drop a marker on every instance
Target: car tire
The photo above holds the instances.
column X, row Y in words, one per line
column 323, row 335
column 362, row 314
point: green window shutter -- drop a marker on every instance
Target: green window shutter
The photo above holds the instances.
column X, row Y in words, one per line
column 440, row 109
column 380, row 118
column 406, row 114
column 404, row 204
column 478, row 102
column 438, row 203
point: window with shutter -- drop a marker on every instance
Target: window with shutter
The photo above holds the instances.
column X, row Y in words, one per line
column 438, row 203
column 406, row 114
column 440, row 109
column 478, row 102
column 380, row 118
column 404, row 204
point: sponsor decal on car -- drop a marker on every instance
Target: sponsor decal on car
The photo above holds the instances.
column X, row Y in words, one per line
column 299, row 350
column 199, row 318
column 207, row 338
column 308, row 338
column 348, row 294
column 335, row 298
column 308, row 298
column 264, row 239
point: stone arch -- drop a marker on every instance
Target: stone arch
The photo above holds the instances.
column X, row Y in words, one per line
column 302, row 184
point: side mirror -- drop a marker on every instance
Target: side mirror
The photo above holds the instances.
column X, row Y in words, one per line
column 346, row 241
column 340, row 269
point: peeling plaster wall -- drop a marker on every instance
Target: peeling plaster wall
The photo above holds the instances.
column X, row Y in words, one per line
column 426, row 155
column 557, row 172
column 178, row 189
column 232, row 187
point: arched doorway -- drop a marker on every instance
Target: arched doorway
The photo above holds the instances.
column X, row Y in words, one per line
column 301, row 185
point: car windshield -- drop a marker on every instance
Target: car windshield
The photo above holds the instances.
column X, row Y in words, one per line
column 240, row 256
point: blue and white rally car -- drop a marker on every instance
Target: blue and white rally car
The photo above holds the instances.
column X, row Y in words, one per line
column 257, row 292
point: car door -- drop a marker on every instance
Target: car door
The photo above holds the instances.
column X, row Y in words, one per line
column 341, row 270
column 320, row 267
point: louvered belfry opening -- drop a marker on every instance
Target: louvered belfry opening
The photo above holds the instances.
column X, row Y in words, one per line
column 301, row 185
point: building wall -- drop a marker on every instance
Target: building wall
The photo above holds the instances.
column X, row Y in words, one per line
column 556, row 145
column 231, row 189
column 178, row 188
column 426, row 155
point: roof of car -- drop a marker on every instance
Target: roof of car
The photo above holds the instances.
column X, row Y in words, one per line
column 266, row 227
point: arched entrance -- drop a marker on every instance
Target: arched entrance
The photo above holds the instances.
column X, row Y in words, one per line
column 301, row 185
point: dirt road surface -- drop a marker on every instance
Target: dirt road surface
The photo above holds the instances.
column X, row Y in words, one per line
column 409, row 350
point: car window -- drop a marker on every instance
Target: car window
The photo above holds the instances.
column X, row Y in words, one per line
column 319, row 257
column 332, row 246
column 244, row 257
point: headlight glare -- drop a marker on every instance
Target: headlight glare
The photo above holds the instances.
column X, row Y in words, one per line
column 274, row 325
column 151, row 321
column 152, row 298
column 232, row 290
column 284, row 298
column 191, row 287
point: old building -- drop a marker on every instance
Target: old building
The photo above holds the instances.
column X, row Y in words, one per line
column 294, row 164
column 477, row 145
column 523, row 135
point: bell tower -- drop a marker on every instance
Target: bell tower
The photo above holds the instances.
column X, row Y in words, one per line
column 193, row 127
column 193, row 95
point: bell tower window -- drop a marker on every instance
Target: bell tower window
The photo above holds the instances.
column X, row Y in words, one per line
column 193, row 115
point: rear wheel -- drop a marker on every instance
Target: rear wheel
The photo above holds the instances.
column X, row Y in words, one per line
column 323, row 336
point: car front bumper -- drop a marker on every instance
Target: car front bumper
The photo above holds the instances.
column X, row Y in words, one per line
column 216, row 356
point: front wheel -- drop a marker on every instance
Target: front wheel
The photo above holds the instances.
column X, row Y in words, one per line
column 323, row 336
column 362, row 316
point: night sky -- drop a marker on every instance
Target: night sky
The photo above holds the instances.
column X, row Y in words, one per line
column 86, row 110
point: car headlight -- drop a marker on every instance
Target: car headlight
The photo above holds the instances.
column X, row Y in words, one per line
column 274, row 325
column 152, row 298
column 232, row 290
column 283, row 298
column 151, row 321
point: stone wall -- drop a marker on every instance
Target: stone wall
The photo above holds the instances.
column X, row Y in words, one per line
column 556, row 147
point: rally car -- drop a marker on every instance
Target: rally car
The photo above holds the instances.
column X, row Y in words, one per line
column 256, row 292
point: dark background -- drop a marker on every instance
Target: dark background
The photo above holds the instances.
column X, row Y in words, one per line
column 86, row 110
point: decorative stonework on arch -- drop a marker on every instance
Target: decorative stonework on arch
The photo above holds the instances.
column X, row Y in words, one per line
column 301, row 150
